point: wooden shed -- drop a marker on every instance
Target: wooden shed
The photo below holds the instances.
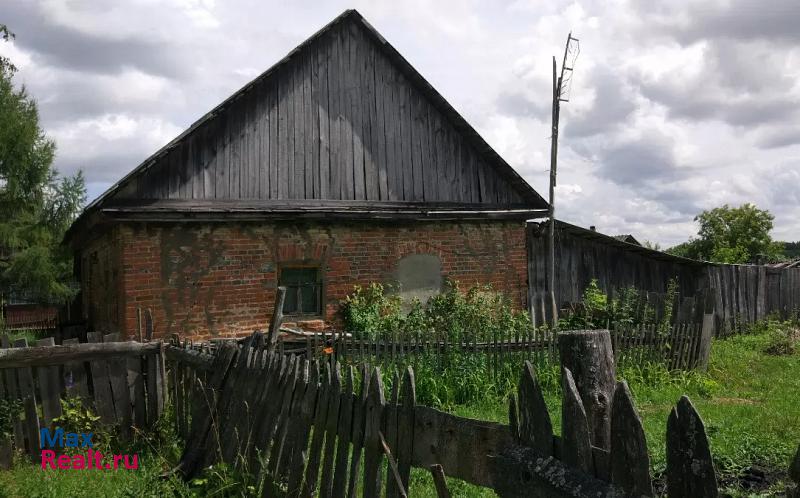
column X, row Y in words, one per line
column 339, row 166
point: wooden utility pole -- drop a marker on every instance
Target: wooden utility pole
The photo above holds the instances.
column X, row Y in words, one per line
column 558, row 97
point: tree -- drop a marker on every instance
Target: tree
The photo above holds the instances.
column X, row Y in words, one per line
column 36, row 203
column 732, row 235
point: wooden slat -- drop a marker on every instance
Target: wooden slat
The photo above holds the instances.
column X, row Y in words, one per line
column 630, row 462
column 373, row 454
column 359, row 423
column 101, row 385
column 405, row 426
column 535, row 427
column 12, row 390
column 28, row 395
column 155, row 387
column 318, row 437
column 330, row 427
column 576, row 447
column 690, row 469
column 118, row 376
column 345, row 434
column 50, row 386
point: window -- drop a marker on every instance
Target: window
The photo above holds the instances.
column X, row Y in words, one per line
column 303, row 290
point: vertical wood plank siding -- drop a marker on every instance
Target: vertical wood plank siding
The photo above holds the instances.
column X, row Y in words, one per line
column 340, row 122
column 741, row 293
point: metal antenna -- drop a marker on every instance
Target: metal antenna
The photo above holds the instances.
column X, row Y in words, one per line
column 561, row 90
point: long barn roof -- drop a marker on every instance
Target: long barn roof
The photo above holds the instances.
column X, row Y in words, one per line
column 342, row 122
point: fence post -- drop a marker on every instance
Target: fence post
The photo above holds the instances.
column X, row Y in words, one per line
column 690, row 469
column 589, row 356
column 706, row 332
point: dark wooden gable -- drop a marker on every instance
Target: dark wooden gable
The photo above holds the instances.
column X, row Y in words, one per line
column 342, row 118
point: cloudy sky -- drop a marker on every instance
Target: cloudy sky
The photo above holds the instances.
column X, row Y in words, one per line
column 674, row 109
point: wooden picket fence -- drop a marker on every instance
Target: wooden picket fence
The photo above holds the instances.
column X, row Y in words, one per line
column 312, row 428
column 122, row 382
column 683, row 346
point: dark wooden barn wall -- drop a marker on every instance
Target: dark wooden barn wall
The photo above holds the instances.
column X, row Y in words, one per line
column 579, row 260
column 339, row 121
column 741, row 293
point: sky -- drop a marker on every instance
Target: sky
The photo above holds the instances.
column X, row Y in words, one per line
column 675, row 107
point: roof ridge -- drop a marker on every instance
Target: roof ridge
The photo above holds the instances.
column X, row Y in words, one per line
column 461, row 126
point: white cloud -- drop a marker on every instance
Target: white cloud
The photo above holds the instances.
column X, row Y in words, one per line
column 675, row 106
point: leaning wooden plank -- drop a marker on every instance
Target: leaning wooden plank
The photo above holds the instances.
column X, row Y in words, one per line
column 49, row 386
column 263, row 409
column 576, row 448
column 405, row 427
column 12, row 389
column 58, row 355
column 28, row 395
column 204, row 413
column 301, row 434
column 271, row 410
column 630, row 462
column 357, row 437
column 690, row 469
column 295, row 422
column 118, row 374
column 373, row 455
column 155, row 387
column 282, row 421
column 318, row 437
column 345, row 433
column 234, row 403
column 393, row 481
column 535, row 427
column 101, row 384
column 75, row 376
column 439, row 481
column 390, row 430
column 331, row 425
column 277, row 318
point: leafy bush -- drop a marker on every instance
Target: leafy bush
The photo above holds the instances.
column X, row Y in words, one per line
column 596, row 310
column 477, row 314
column 783, row 335
column 10, row 410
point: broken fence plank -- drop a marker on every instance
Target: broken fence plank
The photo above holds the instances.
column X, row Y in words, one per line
column 576, row 447
column 690, row 469
column 630, row 462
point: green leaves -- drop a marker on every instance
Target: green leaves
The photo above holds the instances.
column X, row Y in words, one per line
column 480, row 313
column 732, row 235
column 37, row 204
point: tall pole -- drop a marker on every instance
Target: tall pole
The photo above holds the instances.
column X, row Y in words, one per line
column 551, row 257
column 558, row 81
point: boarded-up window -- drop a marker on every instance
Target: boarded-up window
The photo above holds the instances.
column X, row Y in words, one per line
column 418, row 276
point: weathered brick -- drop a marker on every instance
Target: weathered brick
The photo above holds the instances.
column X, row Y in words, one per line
column 219, row 279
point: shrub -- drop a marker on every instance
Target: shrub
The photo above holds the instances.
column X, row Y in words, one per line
column 480, row 313
column 597, row 311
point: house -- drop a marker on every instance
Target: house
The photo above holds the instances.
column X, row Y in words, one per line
column 338, row 166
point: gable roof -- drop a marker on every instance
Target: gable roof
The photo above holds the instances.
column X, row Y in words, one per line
column 448, row 162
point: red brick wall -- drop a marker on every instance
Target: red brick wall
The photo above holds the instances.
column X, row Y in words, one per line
column 220, row 279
